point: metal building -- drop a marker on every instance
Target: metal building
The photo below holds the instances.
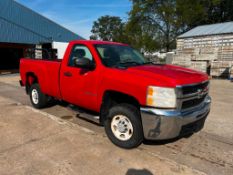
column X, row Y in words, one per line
column 208, row 48
column 22, row 28
column 213, row 35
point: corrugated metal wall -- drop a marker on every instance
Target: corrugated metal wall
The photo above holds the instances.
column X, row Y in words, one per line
column 10, row 33
column 19, row 24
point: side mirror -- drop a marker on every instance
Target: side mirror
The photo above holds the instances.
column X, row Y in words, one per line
column 83, row 63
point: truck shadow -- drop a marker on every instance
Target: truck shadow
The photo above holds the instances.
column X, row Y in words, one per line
column 164, row 142
column 138, row 172
column 80, row 113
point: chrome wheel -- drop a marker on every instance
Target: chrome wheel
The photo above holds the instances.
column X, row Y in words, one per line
column 35, row 96
column 122, row 127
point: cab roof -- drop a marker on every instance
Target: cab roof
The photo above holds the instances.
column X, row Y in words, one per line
column 98, row 42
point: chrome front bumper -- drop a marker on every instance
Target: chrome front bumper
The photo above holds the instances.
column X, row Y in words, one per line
column 161, row 124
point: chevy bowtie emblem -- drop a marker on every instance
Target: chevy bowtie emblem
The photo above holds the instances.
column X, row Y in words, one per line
column 201, row 92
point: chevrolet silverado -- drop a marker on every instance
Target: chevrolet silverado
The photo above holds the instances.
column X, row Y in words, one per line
column 135, row 99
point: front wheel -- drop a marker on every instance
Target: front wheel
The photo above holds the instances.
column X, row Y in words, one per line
column 38, row 99
column 123, row 126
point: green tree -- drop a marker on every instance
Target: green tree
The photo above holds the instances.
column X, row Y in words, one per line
column 154, row 21
column 108, row 28
column 141, row 37
column 155, row 24
column 218, row 11
column 163, row 20
column 190, row 15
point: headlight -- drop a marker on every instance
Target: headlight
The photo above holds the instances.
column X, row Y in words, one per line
column 161, row 97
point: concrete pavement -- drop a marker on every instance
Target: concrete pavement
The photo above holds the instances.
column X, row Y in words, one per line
column 34, row 142
column 209, row 151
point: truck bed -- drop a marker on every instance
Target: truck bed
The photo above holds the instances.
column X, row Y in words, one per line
column 46, row 70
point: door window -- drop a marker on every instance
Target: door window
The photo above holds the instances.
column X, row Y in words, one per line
column 79, row 51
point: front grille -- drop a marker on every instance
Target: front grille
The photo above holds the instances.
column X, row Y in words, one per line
column 194, row 88
column 192, row 102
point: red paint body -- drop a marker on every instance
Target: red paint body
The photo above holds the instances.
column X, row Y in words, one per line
column 86, row 88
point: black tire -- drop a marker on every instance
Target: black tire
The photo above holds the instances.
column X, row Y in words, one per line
column 133, row 115
column 42, row 98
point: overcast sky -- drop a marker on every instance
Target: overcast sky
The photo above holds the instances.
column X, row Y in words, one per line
column 78, row 15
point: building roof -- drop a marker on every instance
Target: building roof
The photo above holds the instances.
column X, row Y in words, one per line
column 212, row 29
column 20, row 24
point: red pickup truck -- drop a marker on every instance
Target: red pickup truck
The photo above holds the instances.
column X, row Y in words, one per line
column 135, row 99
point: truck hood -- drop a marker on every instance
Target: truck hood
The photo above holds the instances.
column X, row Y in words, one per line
column 172, row 75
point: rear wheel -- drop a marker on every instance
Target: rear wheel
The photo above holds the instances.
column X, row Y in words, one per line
column 123, row 126
column 38, row 99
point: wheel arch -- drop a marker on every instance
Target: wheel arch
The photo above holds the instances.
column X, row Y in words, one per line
column 111, row 98
column 31, row 78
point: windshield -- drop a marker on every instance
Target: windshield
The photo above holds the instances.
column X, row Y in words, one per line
column 119, row 55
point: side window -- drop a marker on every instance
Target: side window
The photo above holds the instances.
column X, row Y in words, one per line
column 79, row 51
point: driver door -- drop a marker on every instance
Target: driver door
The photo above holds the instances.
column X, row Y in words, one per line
column 78, row 85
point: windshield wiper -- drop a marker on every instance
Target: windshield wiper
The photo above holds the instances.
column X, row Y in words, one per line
column 126, row 64
column 130, row 62
column 152, row 62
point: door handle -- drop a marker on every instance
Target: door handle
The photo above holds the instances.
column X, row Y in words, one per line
column 68, row 74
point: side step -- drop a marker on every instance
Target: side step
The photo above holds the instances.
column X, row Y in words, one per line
column 86, row 115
